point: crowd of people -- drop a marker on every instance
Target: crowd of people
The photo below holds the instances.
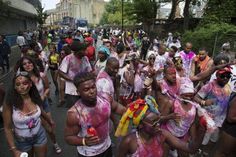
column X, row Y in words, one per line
column 158, row 98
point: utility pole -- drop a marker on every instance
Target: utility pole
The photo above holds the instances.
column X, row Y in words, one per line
column 122, row 15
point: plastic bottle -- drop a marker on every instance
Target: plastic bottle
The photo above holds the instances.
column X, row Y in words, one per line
column 24, row 154
column 211, row 126
column 91, row 131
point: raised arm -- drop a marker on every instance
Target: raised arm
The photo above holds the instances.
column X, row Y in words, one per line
column 205, row 74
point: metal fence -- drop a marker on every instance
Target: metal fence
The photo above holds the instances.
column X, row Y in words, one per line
column 219, row 41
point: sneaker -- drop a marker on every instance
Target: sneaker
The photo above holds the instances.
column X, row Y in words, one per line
column 57, row 148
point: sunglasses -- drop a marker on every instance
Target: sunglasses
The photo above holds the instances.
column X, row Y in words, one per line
column 22, row 73
column 178, row 62
column 225, row 76
column 152, row 58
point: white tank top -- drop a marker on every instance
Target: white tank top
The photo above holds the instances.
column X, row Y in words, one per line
column 40, row 85
column 26, row 125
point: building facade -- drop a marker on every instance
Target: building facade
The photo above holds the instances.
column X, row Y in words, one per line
column 52, row 17
column 90, row 10
column 18, row 15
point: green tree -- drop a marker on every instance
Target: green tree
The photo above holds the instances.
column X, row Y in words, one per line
column 175, row 3
column 135, row 11
column 186, row 13
column 211, row 36
column 112, row 14
column 221, row 10
column 4, row 7
column 41, row 15
column 143, row 11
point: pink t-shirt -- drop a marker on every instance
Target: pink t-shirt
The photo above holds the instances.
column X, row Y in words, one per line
column 187, row 59
column 105, row 84
column 71, row 65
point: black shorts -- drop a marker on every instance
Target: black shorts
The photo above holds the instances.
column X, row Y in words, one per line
column 229, row 128
column 53, row 68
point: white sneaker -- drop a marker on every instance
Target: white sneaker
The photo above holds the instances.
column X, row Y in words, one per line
column 173, row 153
column 57, row 148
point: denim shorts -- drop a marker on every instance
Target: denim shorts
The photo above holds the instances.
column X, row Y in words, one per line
column 46, row 106
column 25, row 144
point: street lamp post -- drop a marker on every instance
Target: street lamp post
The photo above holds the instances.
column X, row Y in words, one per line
column 122, row 16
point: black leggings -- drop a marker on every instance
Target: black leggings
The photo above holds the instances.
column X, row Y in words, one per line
column 107, row 153
column 4, row 60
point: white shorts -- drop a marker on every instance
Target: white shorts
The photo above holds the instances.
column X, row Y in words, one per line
column 213, row 137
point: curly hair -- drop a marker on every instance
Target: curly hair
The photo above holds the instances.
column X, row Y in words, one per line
column 82, row 77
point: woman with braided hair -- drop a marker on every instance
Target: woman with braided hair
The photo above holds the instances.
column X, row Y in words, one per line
column 149, row 139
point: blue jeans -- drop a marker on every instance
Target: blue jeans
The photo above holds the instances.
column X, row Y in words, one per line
column 46, row 106
column 25, row 144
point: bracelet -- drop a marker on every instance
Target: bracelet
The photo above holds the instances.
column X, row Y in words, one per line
column 83, row 141
column 203, row 102
column 12, row 148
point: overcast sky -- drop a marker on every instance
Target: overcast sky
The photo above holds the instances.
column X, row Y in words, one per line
column 49, row 4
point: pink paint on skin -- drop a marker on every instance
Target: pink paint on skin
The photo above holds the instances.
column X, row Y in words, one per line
column 97, row 117
column 181, row 127
column 149, row 150
column 171, row 90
